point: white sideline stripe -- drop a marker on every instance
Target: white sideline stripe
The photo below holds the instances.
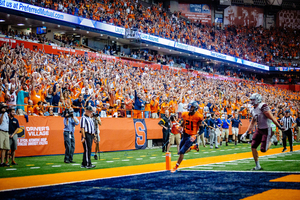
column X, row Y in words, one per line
column 152, row 157
column 222, row 150
column 94, row 163
column 228, row 163
column 56, row 165
column 213, row 151
column 125, row 160
column 34, row 167
column 109, row 161
column 212, row 165
column 204, row 167
column 205, row 152
column 11, row 169
column 196, row 153
column 139, row 159
column 75, row 164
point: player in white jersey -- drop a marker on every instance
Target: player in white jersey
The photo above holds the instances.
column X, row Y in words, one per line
column 261, row 114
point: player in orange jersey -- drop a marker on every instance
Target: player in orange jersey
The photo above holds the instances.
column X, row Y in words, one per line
column 191, row 122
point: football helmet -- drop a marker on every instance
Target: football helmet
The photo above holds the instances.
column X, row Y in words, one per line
column 193, row 107
column 255, row 99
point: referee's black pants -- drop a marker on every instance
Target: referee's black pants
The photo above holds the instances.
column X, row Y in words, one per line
column 87, row 147
column 166, row 135
column 289, row 134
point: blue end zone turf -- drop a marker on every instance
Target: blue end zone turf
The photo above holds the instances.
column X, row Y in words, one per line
column 162, row 185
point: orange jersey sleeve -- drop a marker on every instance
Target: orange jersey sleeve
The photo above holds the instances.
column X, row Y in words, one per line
column 191, row 122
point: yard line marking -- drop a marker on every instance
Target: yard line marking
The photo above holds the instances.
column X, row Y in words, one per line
column 34, row 167
column 49, row 163
column 56, row 165
column 94, row 163
column 75, row 164
column 102, row 159
column 222, row 150
column 213, row 151
column 152, row 157
column 30, row 165
column 178, row 155
column 129, row 157
column 139, row 159
column 10, row 169
column 116, row 158
column 229, row 163
column 196, row 153
column 163, row 156
column 143, row 156
column 205, row 152
column 125, row 160
column 109, row 161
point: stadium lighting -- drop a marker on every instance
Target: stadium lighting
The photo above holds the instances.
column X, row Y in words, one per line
column 158, row 47
column 180, row 52
column 87, row 32
column 58, row 26
column 117, row 38
column 146, row 45
column 74, row 29
column 26, row 18
column 43, row 22
column 170, row 50
column 20, row 24
column 8, row 15
column 2, row 20
column 101, row 35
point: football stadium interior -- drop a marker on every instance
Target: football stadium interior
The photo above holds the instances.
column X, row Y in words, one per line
column 150, row 99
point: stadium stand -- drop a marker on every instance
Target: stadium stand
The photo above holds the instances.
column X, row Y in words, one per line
column 274, row 47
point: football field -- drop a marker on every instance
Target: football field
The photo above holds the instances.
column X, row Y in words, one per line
column 210, row 173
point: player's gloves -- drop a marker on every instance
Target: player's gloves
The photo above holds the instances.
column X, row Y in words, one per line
column 193, row 138
column 244, row 135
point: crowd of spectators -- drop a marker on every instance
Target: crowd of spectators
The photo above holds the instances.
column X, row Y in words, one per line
column 272, row 47
column 43, row 84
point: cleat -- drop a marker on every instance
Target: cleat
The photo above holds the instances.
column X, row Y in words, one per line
column 275, row 143
column 82, row 166
column 5, row 165
column 174, row 169
column 66, row 161
column 90, row 166
column 14, row 163
column 226, row 143
column 197, row 147
column 256, row 168
column 96, row 157
column 284, row 150
column 216, row 147
column 72, row 161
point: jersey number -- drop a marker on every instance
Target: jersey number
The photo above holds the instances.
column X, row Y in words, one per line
column 189, row 125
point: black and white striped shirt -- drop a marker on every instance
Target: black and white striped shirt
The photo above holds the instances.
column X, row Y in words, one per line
column 288, row 122
column 88, row 124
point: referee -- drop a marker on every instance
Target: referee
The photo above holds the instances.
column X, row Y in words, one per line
column 88, row 131
column 287, row 122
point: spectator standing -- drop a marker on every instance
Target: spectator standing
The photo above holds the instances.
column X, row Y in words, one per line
column 235, row 123
column 78, row 106
column 13, row 136
column 165, row 124
column 4, row 135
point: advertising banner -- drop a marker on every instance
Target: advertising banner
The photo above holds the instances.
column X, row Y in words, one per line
column 245, row 16
column 140, row 133
column 270, row 21
column 196, row 12
column 288, row 19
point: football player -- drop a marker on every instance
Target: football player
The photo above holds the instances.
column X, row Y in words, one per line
column 263, row 117
column 191, row 122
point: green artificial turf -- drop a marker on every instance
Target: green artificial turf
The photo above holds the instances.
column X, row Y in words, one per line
column 54, row 164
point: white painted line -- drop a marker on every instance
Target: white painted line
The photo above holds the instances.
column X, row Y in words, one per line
column 11, row 169
column 205, row 152
column 222, row 150
column 125, row 160
column 216, row 165
column 56, row 165
column 204, row 167
column 244, row 161
column 176, row 155
column 229, row 149
column 250, row 171
column 152, row 157
column 139, row 159
column 237, row 148
column 230, row 163
column 163, row 156
column 186, row 154
column 94, row 163
column 213, row 151
column 75, row 164
column 34, row 167
column 196, row 153
column 109, row 161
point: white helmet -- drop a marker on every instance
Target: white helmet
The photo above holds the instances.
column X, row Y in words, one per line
column 255, row 99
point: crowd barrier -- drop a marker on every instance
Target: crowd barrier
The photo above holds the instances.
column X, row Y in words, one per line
column 44, row 135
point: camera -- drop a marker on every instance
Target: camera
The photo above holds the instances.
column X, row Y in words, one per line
column 3, row 106
column 95, row 115
column 67, row 113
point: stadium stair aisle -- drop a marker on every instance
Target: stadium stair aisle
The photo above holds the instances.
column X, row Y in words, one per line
column 70, row 177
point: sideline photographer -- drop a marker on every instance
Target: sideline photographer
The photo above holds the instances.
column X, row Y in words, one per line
column 69, row 122
column 4, row 135
column 14, row 127
column 97, row 123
